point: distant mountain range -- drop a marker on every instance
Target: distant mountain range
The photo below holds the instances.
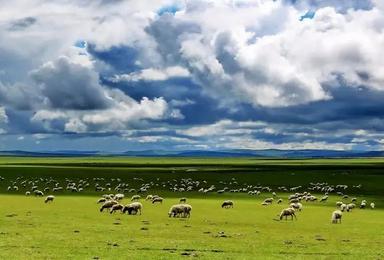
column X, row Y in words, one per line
column 269, row 153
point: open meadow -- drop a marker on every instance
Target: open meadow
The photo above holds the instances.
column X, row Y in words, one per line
column 72, row 227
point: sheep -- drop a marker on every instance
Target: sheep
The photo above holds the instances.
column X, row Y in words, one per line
column 119, row 196
column 227, row 204
column 183, row 200
column 175, row 210
column 336, row 216
column 116, row 207
column 135, row 197
column 107, row 205
column 157, row 199
column 350, row 206
column 180, row 210
column 149, row 197
column 343, row 207
column 363, row 204
column 101, row 200
column 297, row 206
column 39, row 193
column 339, row 203
column 133, row 208
column 268, row 200
column 27, row 193
column 186, row 210
column 372, row 205
column 49, row 198
column 324, row 198
column 288, row 212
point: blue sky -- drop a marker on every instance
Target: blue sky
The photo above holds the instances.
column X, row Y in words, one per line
column 191, row 74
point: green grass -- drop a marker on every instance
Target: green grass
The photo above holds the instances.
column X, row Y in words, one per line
column 37, row 231
column 30, row 229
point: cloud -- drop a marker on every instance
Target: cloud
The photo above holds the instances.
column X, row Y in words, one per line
column 239, row 73
column 153, row 74
column 67, row 85
column 3, row 115
column 22, row 24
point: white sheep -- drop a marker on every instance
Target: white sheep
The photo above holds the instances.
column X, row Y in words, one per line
column 135, row 197
column 336, row 216
column 279, row 201
column 119, row 196
column 180, row 210
column 133, row 208
column 107, row 205
column 149, row 197
column 39, row 193
column 186, row 210
column 227, row 204
column 27, row 193
column 176, row 210
column 288, row 212
column 116, row 207
column 49, row 198
column 183, row 200
column 157, row 200
column 296, row 206
column 268, row 200
column 372, row 205
column 101, row 200
column 350, row 206
column 343, row 207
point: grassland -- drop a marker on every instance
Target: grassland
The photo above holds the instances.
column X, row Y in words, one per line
column 72, row 228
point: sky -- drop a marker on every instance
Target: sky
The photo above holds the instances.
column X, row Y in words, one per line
column 120, row 75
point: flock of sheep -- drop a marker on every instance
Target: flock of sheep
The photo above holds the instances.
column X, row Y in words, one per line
column 112, row 202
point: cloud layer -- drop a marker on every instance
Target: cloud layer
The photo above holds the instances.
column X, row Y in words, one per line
column 210, row 74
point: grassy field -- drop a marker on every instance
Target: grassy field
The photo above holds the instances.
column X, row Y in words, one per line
column 73, row 228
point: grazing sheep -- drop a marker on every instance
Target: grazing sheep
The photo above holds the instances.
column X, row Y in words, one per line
column 180, row 210
column 175, row 211
column 183, row 200
column 227, row 204
column 135, row 197
column 343, row 207
column 372, row 205
column 133, row 208
column 186, row 210
column 39, row 193
column 350, row 206
column 288, row 212
column 101, row 200
column 268, row 200
column 339, row 203
column 149, row 197
column 363, row 204
column 27, row 193
column 353, row 200
column 49, row 198
column 119, row 196
column 279, row 201
column 324, row 198
column 107, row 205
column 116, row 207
column 336, row 216
column 296, row 206
column 157, row 200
